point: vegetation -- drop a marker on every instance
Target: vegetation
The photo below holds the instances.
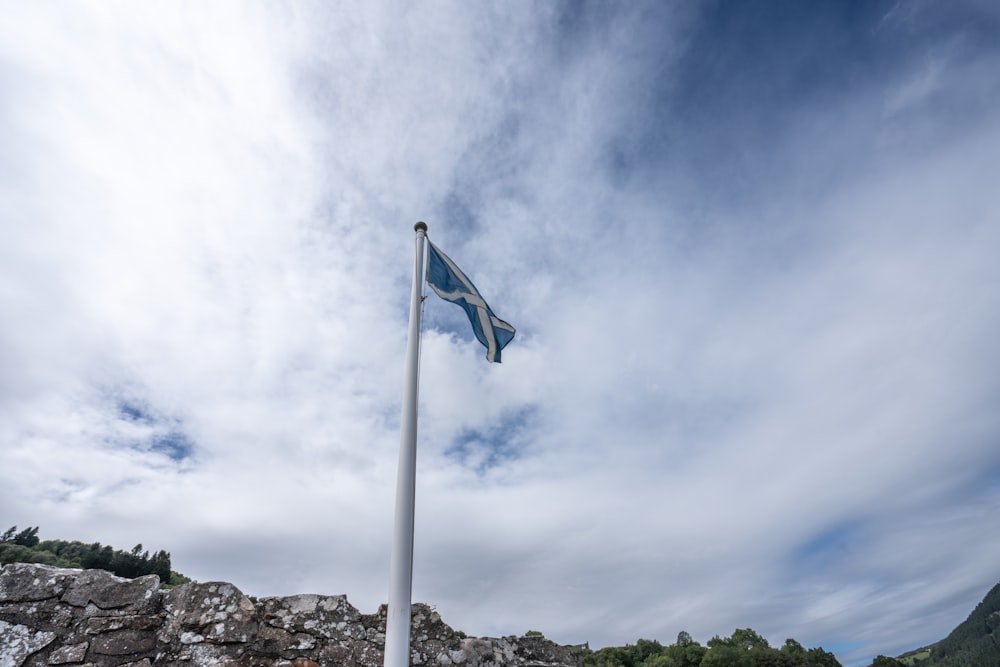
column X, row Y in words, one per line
column 744, row 648
column 914, row 657
column 974, row 643
column 26, row 547
column 883, row 661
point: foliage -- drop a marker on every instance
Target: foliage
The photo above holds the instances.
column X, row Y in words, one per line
column 744, row 648
column 25, row 547
column 27, row 537
column 16, row 553
column 176, row 579
column 976, row 641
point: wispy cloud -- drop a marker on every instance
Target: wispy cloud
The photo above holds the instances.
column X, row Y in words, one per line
column 749, row 254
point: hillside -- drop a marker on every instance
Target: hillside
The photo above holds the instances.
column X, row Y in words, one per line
column 974, row 643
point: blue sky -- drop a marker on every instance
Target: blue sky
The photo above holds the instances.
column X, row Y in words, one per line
column 749, row 249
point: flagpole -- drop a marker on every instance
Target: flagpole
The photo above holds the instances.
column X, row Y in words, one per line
column 397, row 630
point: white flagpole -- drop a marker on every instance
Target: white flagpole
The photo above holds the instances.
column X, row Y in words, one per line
column 397, row 630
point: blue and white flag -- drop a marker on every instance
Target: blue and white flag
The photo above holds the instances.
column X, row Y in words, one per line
column 448, row 281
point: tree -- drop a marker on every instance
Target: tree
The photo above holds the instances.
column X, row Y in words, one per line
column 793, row 648
column 27, row 537
column 686, row 655
column 159, row 565
column 609, row 656
column 18, row 553
column 817, row 657
column 8, row 534
column 721, row 654
column 643, row 650
column 662, row 660
column 97, row 557
column 975, row 641
column 747, row 648
column 883, row 661
column 748, row 639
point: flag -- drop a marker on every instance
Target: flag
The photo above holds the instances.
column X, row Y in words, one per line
column 448, row 281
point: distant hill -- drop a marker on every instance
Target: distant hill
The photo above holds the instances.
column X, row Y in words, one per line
column 974, row 643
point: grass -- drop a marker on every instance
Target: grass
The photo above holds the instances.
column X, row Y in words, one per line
column 914, row 658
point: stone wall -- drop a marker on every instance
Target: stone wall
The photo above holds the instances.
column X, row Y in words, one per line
column 53, row 616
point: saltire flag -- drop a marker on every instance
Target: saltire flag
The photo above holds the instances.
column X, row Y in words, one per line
column 448, row 281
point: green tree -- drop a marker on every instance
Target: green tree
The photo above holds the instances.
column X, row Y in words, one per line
column 662, row 660
column 609, row 656
column 27, row 537
column 25, row 547
column 159, row 565
column 643, row 650
column 748, row 639
column 18, row 553
column 747, row 648
column 686, row 655
column 817, row 657
column 721, row 654
column 794, row 649
column 976, row 641
column 883, row 661
column 97, row 557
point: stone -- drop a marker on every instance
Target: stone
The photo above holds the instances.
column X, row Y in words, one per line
column 274, row 640
column 124, row 642
column 427, row 624
column 367, row 655
column 539, row 652
column 55, row 617
column 330, row 616
column 335, row 655
column 69, row 654
column 106, row 591
column 216, row 612
column 50, row 615
column 205, row 655
column 96, row 625
column 19, row 642
column 25, row 582
column 480, row 651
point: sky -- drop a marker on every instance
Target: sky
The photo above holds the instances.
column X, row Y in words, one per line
column 750, row 250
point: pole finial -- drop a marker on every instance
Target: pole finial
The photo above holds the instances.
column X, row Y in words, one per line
column 420, row 227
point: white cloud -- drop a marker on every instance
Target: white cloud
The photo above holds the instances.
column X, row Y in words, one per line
column 762, row 403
